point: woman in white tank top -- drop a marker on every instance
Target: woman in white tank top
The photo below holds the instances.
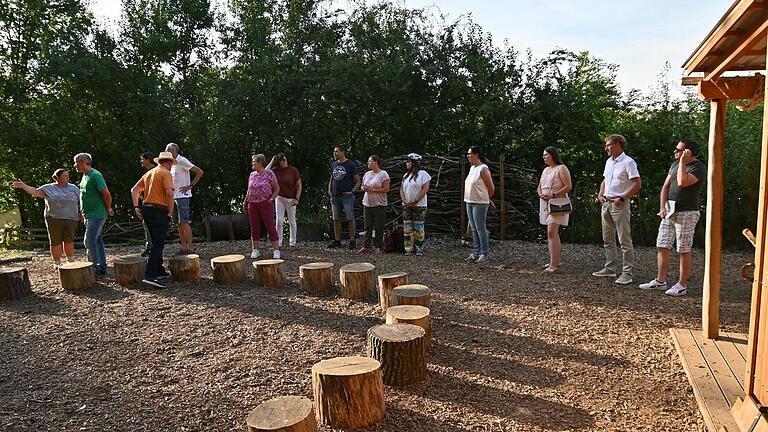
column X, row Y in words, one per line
column 478, row 190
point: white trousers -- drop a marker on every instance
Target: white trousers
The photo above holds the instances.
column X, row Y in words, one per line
column 282, row 206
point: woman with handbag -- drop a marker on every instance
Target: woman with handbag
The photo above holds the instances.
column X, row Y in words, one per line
column 554, row 203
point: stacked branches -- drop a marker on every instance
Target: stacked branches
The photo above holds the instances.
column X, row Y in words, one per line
column 445, row 198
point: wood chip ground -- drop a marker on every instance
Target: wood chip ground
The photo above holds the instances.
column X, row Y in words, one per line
column 513, row 349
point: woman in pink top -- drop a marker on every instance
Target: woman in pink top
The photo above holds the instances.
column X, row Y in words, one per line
column 376, row 185
column 555, row 182
column 259, row 204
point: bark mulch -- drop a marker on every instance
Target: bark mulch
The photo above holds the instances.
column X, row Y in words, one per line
column 513, row 349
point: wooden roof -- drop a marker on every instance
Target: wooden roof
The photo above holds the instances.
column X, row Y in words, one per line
column 736, row 43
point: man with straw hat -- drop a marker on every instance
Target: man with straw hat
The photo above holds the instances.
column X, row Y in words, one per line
column 156, row 212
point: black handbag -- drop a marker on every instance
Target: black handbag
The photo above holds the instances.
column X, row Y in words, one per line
column 560, row 205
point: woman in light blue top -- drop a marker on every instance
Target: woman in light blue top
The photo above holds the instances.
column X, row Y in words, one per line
column 62, row 212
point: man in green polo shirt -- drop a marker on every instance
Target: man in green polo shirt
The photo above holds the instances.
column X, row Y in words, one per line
column 96, row 205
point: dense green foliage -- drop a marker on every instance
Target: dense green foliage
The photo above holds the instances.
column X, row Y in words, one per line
column 298, row 77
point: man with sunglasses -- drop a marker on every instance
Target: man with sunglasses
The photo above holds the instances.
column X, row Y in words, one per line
column 679, row 213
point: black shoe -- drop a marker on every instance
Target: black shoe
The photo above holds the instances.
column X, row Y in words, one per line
column 164, row 276
column 155, row 282
column 352, row 244
column 334, row 244
column 145, row 253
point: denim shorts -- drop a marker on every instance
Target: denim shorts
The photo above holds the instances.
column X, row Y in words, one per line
column 345, row 205
column 181, row 210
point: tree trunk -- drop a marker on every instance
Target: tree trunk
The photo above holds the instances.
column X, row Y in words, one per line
column 130, row 270
column 14, row 283
column 412, row 294
column 269, row 273
column 348, row 392
column 77, row 275
column 400, row 349
column 412, row 314
column 228, row 269
column 317, row 277
column 283, row 414
column 357, row 281
column 185, row 268
column 387, row 282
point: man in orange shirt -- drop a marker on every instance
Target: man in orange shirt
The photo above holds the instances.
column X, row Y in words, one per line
column 156, row 212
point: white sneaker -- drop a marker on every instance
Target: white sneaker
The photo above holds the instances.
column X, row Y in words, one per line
column 255, row 253
column 677, row 290
column 471, row 257
column 56, row 265
column 482, row 258
column 654, row 284
column 276, row 254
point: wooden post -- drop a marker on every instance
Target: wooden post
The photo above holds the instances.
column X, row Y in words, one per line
column 228, row 269
column 130, row 270
column 462, row 206
column 317, row 277
column 349, row 392
column 502, row 202
column 283, row 414
column 400, row 349
column 388, row 282
column 710, row 314
column 269, row 273
column 760, row 260
column 14, row 283
column 76, row 275
column 185, row 268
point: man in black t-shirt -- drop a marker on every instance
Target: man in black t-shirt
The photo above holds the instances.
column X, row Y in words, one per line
column 343, row 182
column 679, row 213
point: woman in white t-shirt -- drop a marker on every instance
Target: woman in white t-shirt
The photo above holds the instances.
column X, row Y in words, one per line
column 478, row 190
column 413, row 193
column 375, row 185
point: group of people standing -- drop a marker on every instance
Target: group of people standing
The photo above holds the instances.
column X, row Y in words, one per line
column 163, row 194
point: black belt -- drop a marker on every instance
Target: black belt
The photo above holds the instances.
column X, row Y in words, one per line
column 155, row 205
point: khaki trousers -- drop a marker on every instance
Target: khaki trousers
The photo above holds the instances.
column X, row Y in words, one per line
column 616, row 222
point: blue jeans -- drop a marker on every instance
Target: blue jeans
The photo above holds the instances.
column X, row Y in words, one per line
column 343, row 207
column 477, row 214
column 94, row 244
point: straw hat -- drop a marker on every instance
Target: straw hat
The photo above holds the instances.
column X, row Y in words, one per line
column 166, row 156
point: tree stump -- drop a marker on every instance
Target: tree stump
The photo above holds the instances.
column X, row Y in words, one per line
column 14, row 283
column 412, row 294
column 412, row 314
column 228, row 269
column 269, row 272
column 77, row 275
column 317, row 277
column 348, row 392
column 130, row 270
column 185, row 268
column 400, row 349
column 357, row 281
column 388, row 282
column 283, row 414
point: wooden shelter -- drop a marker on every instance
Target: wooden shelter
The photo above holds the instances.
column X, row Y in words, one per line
column 737, row 44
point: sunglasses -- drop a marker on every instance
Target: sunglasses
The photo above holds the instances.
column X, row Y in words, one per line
column 677, row 150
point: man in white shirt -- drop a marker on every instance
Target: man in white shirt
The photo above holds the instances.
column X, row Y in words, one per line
column 182, row 195
column 621, row 181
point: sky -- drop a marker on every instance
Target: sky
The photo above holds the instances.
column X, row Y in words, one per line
column 639, row 36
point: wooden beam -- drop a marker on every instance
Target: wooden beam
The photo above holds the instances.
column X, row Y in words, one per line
column 710, row 313
column 740, row 51
column 723, row 27
column 691, row 81
column 728, row 88
column 759, row 260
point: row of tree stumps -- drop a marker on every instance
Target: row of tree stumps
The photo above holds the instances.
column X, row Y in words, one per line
column 348, row 392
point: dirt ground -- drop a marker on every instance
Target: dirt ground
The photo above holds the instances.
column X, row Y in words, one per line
column 513, row 349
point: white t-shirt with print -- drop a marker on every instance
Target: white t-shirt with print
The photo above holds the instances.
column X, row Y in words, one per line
column 181, row 177
column 412, row 187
